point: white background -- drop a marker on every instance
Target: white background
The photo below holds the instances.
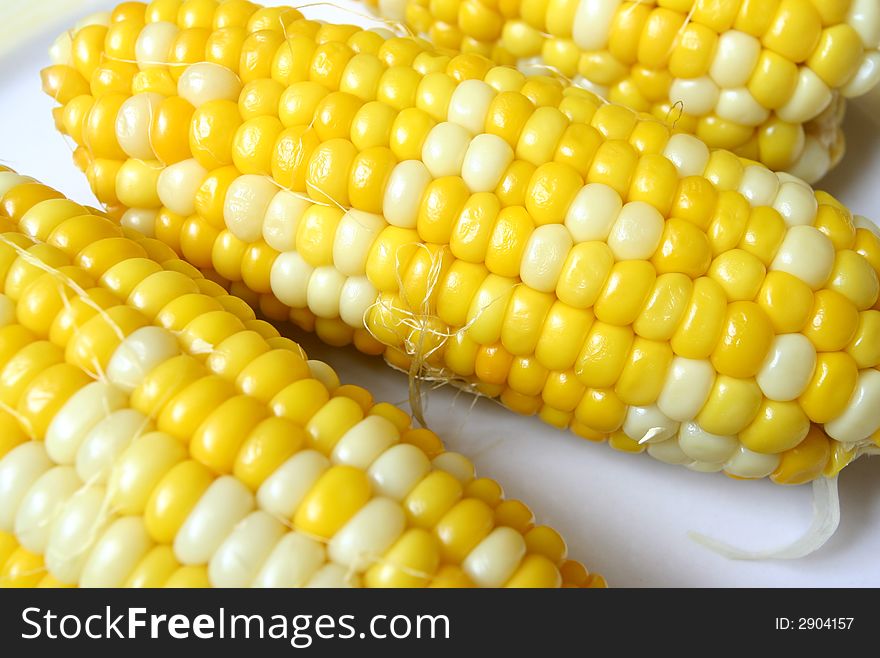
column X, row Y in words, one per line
column 625, row 516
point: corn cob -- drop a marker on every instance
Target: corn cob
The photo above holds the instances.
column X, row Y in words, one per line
column 570, row 257
column 764, row 78
column 154, row 432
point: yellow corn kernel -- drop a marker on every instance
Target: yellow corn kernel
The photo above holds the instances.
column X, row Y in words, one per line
column 603, row 355
column 804, row 462
column 22, row 569
column 692, row 53
column 683, row 248
column 700, row 328
column 732, row 405
column 778, row 426
column 600, row 410
column 331, row 421
column 626, row 289
column 739, row 273
column 795, row 30
column 833, row 321
column 550, row 192
column 173, row 498
column 408, row 563
column 773, row 80
column 644, row 373
column 659, row 34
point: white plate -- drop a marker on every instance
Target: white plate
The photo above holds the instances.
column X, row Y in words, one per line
column 623, row 515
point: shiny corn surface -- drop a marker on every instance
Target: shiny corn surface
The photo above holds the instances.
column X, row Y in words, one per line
column 764, row 78
column 573, row 258
column 154, row 433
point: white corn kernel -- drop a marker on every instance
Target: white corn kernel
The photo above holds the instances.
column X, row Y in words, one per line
column 592, row 23
column 689, row 155
column 456, row 464
column 139, row 354
column 444, row 149
column 813, row 162
column 648, row 424
column 860, row 418
column 398, row 470
column 368, row 534
column 361, row 445
column 544, row 256
column 116, row 554
column 668, row 452
column 41, row 504
column 739, row 106
column 106, row 440
column 133, row 122
column 323, row 373
column 810, row 98
column 334, row 576
column 796, row 203
column 759, row 185
column 593, row 212
column 403, row 193
column 866, row 77
column 226, row 502
column 153, row 45
column 686, row 389
column 469, row 105
column 864, row 17
column 355, row 234
column 61, row 50
column 485, row 161
column 244, row 207
column 703, row 446
column 283, row 491
column 282, row 220
column 806, row 253
column 178, row 184
column 698, row 96
column 494, row 560
column 206, row 81
column 356, row 298
column 289, row 279
column 74, row 531
column 292, row 563
column 636, row 233
column 788, row 367
column 735, row 58
column 20, row 468
column 324, row 291
column 241, row 555
column 786, row 177
column 747, row 464
column 82, row 411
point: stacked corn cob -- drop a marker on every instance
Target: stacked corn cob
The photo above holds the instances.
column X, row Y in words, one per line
column 568, row 256
column 153, row 432
column 764, row 78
